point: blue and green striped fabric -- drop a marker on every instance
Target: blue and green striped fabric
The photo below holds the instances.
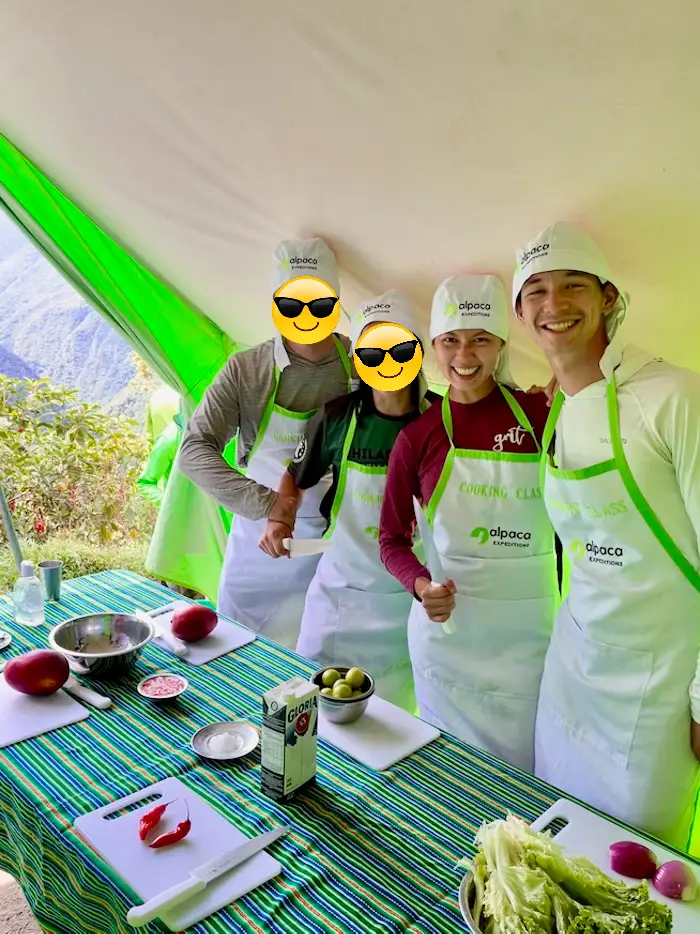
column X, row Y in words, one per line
column 369, row 852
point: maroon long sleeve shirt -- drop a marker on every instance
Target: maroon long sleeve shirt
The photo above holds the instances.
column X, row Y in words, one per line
column 418, row 457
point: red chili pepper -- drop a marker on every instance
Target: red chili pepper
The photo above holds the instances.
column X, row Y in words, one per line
column 151, row 818
column 182, row 829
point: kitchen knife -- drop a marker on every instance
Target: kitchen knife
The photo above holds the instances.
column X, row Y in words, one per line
column 301, row 547
column 432, row 556
column 177, row 646
column 74, row 687
column 200, row 878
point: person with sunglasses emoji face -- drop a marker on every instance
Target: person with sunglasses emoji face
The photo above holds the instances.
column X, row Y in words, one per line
column 472, row 461
column 356, row 613
column 266, row 396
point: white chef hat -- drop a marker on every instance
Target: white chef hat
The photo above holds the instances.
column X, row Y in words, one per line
column 390, row 308
column 313, row 257
column 561, row 246
column 472, row 303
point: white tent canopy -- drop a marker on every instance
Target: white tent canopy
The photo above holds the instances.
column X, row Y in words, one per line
column 419, row 138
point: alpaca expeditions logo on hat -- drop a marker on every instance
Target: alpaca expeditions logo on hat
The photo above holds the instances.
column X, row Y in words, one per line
column 467, row 309
column 534, row 252
column 295, row 261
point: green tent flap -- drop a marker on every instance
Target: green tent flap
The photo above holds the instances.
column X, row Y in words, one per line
column 180, row 343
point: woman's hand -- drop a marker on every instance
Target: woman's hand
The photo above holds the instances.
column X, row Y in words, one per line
column 550, row 390
column 271, row 541
column 437, row 599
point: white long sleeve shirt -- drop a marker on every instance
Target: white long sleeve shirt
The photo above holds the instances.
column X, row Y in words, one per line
column 659, row 409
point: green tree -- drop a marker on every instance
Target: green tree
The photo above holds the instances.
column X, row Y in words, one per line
column 70, row 468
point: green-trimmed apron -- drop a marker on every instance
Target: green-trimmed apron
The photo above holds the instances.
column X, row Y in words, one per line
column 496, row 543
column 613, row 724
column 356, row 612
column 261, row 592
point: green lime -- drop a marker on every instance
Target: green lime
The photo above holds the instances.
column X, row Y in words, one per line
column 326, row 691
column 342, row 690
column 356, row 693
column 355, row 677
column 329, row 677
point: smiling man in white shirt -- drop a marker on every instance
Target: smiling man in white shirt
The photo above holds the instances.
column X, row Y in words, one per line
column 618, row 721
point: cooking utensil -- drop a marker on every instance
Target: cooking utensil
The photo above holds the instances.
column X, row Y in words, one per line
column 432, row 556
column 74, row 687
column 103, row 645
column 245, row 736
column 200, row 878
column 112, row 831
column 226, row 637
column 163, row 633
column 385, row 735
column 50, row 577
column 339, row 709
column 302, row 547
column 466, row 897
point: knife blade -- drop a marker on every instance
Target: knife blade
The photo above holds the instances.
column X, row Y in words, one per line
column 301, row 547
column 432, row 555
column 200, row 878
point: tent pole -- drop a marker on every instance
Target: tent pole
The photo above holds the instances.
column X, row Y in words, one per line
column 10, row 530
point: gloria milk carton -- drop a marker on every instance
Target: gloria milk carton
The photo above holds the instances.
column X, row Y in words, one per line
column 289, row 738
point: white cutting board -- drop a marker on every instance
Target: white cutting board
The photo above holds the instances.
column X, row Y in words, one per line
column 149, row 872
column 382, row 736
column 23, row 717
column 227, row 637
column 588, row 835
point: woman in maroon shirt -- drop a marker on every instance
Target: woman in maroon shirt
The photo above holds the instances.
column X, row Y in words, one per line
column 473, row 462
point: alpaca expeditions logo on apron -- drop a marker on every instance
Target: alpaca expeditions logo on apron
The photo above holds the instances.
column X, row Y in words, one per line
column 499, row 536
column 598, row 554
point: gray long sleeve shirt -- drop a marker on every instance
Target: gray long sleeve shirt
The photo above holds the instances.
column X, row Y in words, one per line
column 235, row 402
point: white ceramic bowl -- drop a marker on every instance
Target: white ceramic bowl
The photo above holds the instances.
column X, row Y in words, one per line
column 162, row 697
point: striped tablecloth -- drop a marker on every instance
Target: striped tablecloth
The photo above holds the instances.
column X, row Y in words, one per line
column 368, row 852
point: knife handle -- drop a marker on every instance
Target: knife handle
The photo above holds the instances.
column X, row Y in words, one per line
column 142, row 914
column 90, row 697
column 448, row 626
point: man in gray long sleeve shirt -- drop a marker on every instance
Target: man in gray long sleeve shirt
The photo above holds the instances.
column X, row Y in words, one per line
column 235, row 402
column 254, row 590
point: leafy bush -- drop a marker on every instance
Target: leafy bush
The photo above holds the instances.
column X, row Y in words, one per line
column 78, row 557
column 68, row 467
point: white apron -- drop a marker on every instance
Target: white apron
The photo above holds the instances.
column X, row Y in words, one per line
column 356, row 613
column 491, row 530
column 613, row 725
column 264, row 593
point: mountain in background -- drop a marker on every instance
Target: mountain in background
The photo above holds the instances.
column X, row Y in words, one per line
column 48, row 330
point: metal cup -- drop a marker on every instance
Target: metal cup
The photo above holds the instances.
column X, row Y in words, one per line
column 50, row 576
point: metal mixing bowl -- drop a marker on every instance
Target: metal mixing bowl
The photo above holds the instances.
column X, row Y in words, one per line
column 466, row 899
column 343, row 710
column 103, row 645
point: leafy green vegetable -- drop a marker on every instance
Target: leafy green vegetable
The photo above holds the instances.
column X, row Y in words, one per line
column 524, row 883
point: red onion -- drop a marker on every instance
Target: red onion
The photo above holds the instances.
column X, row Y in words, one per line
column 633, row 860
column 675, row 880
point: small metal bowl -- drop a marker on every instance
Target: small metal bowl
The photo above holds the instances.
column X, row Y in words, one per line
column 343, row 709
column 103, row 645
column 166, row 697
column 466, row 897
column 246, row 736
